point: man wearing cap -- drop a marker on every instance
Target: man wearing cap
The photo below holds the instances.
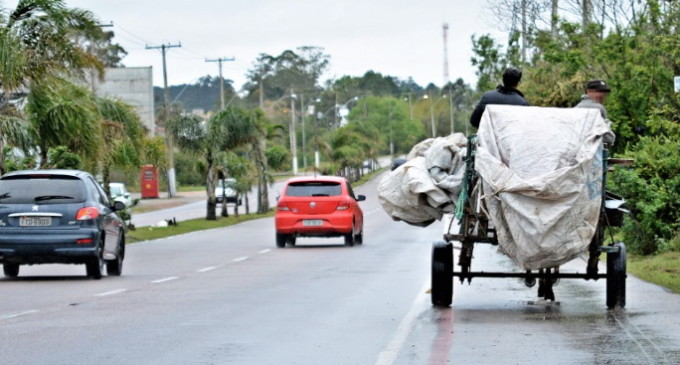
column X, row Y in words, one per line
column 504, row 94
column 596, row 93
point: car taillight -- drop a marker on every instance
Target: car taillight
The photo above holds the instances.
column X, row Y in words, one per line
column 84, row 241
column 343, row 206
column 87, row 213
column 283, row 207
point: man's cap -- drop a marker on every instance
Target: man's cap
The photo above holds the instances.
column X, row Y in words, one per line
column 598, row 85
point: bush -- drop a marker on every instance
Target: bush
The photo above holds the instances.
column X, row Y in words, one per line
column 652, row 189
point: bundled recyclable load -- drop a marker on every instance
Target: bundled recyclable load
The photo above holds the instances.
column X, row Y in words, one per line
column 541, row 178
column 428, row 183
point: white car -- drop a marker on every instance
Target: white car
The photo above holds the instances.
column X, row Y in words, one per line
column 229, row 193
column 119, row 193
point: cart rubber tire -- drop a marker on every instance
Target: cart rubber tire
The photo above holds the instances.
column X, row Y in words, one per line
column 281, row 240
column 442, row 274
column 349, row 237
column 11, row 270
column 616, row 277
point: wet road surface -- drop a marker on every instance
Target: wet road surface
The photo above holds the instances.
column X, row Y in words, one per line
column 228, row 296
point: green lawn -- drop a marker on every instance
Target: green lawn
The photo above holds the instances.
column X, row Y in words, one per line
column 152, row 233
column 661, row 269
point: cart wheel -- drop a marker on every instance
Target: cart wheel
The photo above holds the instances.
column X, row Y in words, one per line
column 442, row 274
column 616, row 277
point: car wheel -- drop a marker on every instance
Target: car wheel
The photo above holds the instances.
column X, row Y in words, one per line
column 11, row 270
column 115, row 267
column 95, row 267
column 291, row 239
column 359, row 239
column 281, row 240
column 349, row 237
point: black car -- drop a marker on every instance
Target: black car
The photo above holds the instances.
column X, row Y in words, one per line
column 59, row 216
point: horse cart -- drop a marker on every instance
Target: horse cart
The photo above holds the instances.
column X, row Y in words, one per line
column 472, row 226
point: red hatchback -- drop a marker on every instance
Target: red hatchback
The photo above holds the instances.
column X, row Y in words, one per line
column 322, row 206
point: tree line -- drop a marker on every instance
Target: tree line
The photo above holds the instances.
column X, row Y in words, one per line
column 634, row 46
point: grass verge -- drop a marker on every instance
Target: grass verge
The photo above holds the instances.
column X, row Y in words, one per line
column 661, row 269
column 199, row 224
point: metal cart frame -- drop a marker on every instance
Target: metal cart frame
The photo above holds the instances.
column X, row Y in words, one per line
column 475, row 228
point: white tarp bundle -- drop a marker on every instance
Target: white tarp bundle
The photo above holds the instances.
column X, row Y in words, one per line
column 427, row 185
column 541, row 173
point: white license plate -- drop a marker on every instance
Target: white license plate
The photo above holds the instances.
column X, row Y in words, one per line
column 35, row 221
column 312, row 222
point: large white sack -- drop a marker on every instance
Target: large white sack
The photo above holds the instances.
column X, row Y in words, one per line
column 427, row 185
column 541, row 173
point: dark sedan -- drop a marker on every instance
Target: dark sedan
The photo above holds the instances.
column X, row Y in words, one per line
column 59, row 216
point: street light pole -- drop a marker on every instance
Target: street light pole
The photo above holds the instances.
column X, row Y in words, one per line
column 451, row 110
column 293, row 139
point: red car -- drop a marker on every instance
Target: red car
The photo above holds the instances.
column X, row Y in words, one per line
column 321, row 206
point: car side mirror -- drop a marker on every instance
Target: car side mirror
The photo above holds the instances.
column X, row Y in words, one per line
column 127, row 195
column 118, row 205
column 361, row 198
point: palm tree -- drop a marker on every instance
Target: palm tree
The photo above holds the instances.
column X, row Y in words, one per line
column 226, row 130
column 38, row 40
column 64, row 114
column 122, row 137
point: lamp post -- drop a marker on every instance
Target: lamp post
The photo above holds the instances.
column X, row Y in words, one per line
column 432, row 105
column 451, row 110
column 293, row 139
column 343, row 110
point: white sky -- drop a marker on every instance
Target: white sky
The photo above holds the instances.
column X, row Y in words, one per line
column 401, row 38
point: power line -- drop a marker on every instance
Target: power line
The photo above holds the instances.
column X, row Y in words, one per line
column 219, row 61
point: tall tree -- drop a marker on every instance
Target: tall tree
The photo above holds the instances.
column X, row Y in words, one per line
column 37, row 41
column 224, row 131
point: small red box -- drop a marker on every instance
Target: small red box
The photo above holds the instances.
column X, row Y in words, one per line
column 149, row 182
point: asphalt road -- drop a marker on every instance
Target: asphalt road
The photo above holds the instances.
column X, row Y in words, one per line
column 228, row 296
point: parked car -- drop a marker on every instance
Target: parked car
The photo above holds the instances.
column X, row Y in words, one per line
column 119, row 193
column 59, row 216
column 396, row 163
column 229, row 192
column 322, row 206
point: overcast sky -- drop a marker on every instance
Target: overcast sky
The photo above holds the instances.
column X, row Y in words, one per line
column 402, row 38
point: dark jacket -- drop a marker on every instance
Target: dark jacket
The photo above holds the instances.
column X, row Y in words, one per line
column 501, row 95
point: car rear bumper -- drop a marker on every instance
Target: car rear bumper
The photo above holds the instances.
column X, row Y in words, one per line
column 48, row 246
column 335, row 225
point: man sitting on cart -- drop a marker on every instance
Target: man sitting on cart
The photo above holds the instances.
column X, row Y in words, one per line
column 507, row 94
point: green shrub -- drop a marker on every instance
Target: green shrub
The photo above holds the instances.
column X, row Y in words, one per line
column 652, row 189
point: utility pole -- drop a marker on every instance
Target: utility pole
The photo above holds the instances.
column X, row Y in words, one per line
column 172, row 191
column 293, row 137
column 304, row 137
column 219, row 62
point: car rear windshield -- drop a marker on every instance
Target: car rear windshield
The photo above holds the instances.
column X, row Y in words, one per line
column 314, row 188
column 41, row 189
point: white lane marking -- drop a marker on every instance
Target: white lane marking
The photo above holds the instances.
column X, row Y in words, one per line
column 239, row 259
column 264, row 251
column 169, row 278
column 390, row 353
column 112, row 292
column 206, row 269
column 15, row 315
